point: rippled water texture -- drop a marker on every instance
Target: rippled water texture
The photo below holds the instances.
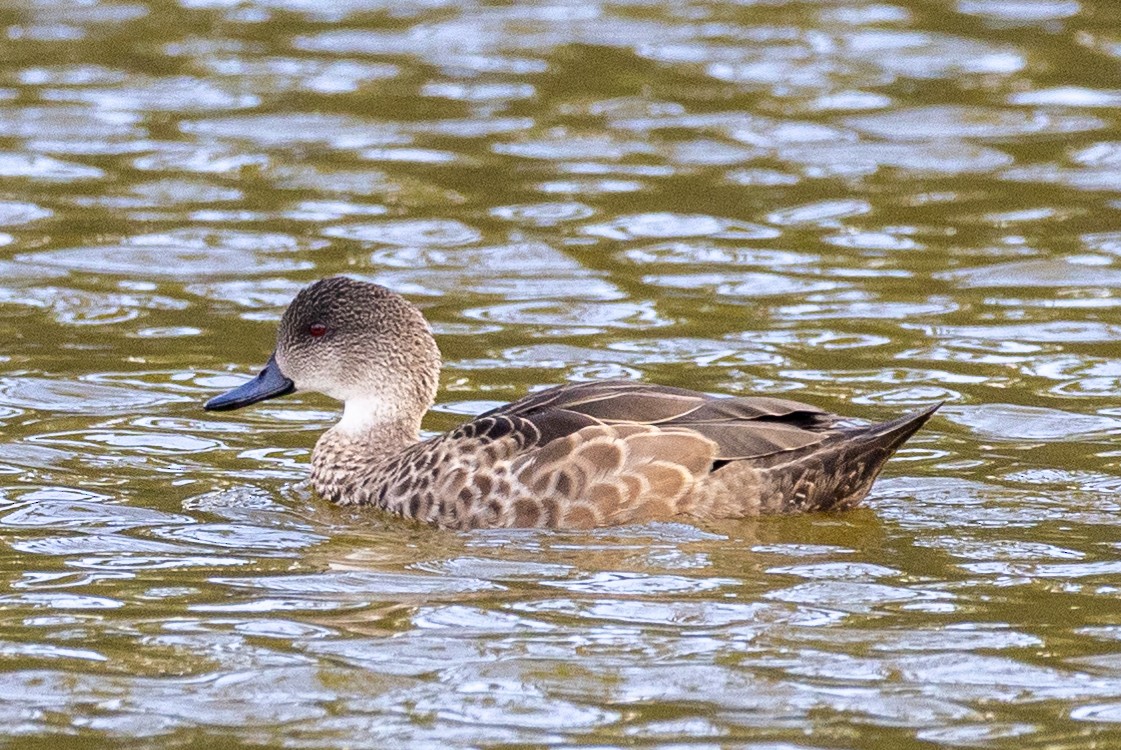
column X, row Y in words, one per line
column 872, row 206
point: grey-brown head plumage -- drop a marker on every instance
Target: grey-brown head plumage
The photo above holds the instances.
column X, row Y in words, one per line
column 355, row 340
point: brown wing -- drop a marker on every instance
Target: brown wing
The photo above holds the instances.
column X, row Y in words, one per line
column 611, row 452
column 740, row 427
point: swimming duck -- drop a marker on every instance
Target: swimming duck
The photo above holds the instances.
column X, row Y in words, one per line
column 574, row 456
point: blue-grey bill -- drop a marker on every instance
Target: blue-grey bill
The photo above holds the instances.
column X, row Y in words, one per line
column 269, row 383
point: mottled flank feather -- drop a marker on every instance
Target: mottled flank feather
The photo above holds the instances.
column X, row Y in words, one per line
column 575, row 456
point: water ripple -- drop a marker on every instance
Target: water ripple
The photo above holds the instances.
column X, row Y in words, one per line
column 424, row 233
column 359, row 584
column 45, row 168
column 79, row 514
column 292, row 129
column 175, row 94
column 241, row 536
column 954, row 122
column 184, row 254
column 647, row 226
column 78, row 396
column 587, row 317
column 1016, row 422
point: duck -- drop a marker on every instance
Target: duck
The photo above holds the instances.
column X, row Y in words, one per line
column 575, row 456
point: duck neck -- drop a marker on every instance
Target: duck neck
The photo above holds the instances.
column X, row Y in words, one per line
column 370, row 432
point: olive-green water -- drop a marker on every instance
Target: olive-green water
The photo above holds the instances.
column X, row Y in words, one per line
column 871, row 206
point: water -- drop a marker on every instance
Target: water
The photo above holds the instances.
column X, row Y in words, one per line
column 871, row 206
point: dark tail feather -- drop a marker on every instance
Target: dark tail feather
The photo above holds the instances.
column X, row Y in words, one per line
column 838, row 476
column 889, row 436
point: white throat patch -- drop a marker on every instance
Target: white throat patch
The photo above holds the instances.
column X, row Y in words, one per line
column 361, row 414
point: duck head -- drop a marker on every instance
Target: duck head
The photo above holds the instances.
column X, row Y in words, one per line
column 356, row 342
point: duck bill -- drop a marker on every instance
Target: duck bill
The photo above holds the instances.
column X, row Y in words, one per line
column 269, row 383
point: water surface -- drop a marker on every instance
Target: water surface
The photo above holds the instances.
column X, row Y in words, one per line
column 872, row 206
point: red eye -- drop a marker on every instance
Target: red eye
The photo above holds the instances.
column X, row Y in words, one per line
column 317, row 329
